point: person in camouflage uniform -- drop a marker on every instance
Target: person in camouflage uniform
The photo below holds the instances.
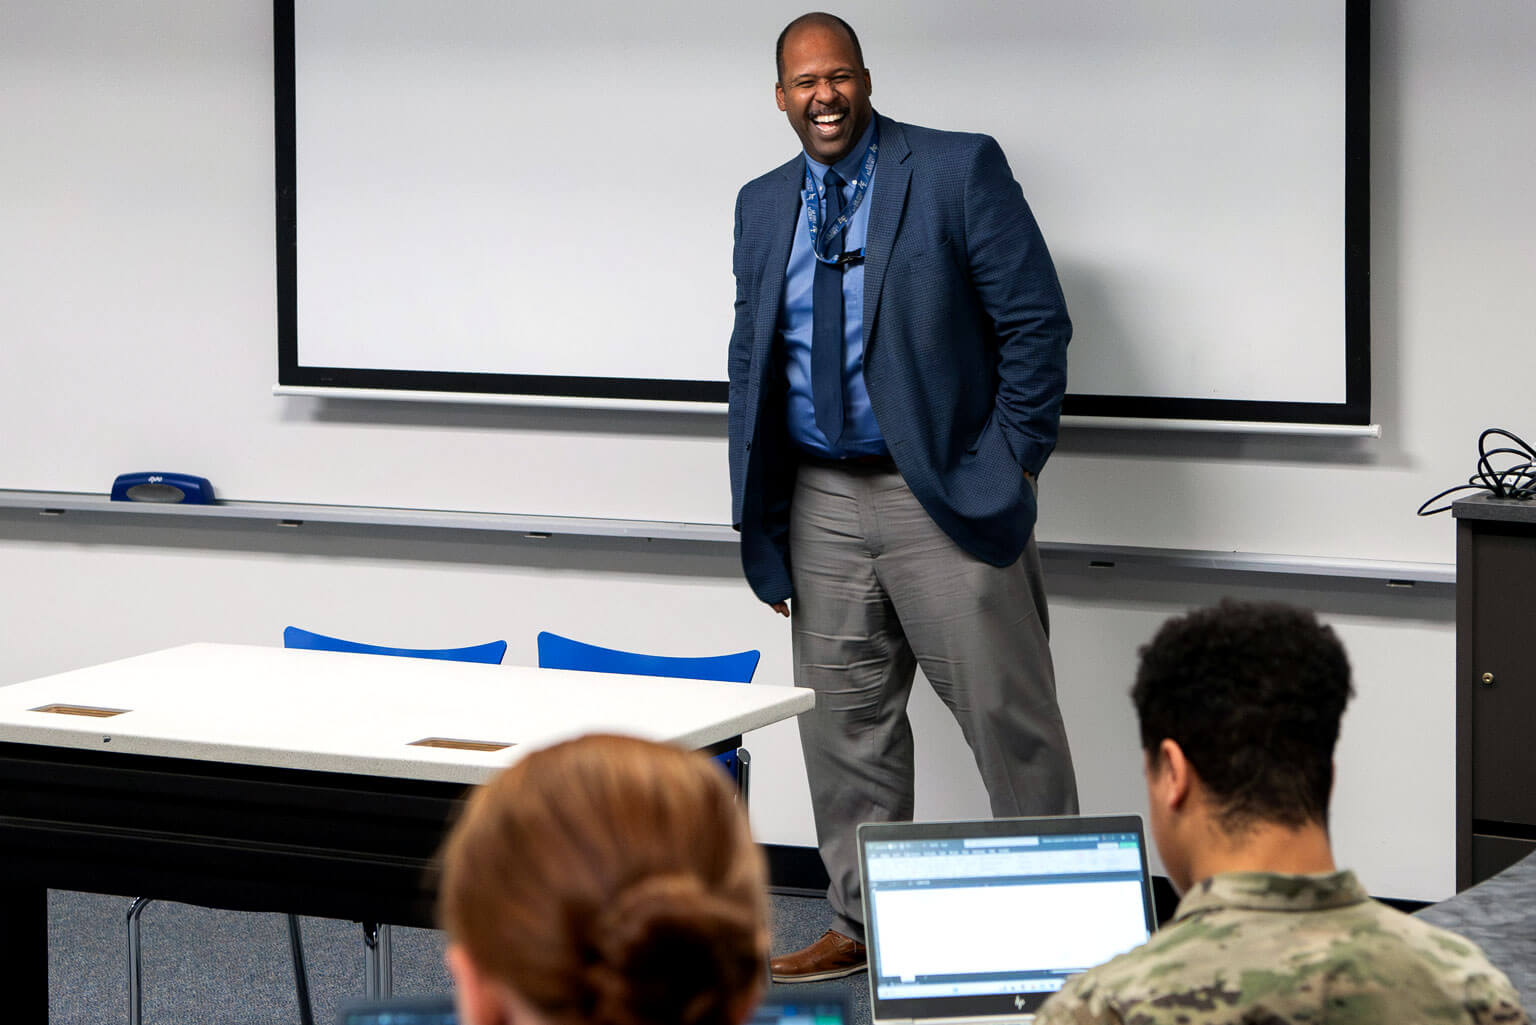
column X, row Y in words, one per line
column 1239, row 708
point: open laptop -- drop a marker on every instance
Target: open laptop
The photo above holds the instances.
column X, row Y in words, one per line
column 982, row 921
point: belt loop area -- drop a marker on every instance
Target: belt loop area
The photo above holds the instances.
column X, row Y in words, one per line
column 878, row 463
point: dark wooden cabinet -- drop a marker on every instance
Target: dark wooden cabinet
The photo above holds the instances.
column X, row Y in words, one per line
column 1495, row 685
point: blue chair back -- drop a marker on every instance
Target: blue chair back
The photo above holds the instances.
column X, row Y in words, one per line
column 556, row 652
column 489, row 654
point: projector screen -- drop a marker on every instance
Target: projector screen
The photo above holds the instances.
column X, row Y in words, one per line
column 501, row 198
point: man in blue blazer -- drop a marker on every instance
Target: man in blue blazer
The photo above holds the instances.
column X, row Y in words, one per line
column 896, row 373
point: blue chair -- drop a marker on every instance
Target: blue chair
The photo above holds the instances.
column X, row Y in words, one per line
column 557, row 652
column 376, row 938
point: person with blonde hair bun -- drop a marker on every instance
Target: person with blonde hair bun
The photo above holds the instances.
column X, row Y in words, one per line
column 605, row 881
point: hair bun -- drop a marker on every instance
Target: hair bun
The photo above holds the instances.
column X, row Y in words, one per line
column 669, row 952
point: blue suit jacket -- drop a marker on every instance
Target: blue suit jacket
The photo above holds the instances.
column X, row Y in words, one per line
column 965, row 338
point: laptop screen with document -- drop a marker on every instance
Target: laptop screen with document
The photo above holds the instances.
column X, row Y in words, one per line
column 989, row 918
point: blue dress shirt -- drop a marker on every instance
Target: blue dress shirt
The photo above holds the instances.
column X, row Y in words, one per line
column 861, row 434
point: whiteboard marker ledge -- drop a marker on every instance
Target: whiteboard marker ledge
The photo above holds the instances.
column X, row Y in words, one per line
column 1098, row 557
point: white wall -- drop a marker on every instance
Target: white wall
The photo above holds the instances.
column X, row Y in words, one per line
column 136, row 282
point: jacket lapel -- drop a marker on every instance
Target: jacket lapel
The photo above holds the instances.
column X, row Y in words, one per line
column 893, row 174
column 784, row 207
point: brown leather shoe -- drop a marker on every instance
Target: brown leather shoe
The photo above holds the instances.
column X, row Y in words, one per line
column 831, row 957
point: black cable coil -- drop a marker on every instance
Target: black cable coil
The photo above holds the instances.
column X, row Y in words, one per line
column 1517, row 480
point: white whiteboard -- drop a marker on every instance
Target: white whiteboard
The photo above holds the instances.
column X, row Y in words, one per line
column 509, row 197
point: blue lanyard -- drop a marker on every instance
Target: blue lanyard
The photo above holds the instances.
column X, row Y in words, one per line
column 813, row 210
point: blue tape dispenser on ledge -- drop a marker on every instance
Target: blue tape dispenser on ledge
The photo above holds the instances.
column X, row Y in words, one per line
column 181, row 488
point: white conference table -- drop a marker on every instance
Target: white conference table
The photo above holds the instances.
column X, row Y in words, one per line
column 261, row 778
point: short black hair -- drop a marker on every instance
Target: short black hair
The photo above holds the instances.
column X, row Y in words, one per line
column 1253, row 694
column 820, row 18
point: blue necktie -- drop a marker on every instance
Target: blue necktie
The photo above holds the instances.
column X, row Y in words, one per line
column 827, row 321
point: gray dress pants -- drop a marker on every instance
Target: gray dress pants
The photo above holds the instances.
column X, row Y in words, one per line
column 880, row 589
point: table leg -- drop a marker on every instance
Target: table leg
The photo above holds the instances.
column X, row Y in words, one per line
column 24, row 950
column 378, row 961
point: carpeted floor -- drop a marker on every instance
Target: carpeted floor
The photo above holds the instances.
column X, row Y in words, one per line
column 206, row 967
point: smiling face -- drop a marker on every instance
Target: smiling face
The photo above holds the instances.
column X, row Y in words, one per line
column 824, row 90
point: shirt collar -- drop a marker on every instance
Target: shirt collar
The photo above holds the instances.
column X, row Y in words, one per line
column 1272, row 891
column 850, row 166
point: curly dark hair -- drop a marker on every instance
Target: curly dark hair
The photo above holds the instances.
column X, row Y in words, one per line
column 818, row 18
column 1253, row 694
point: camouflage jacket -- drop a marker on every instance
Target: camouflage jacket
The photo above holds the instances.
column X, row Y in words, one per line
column 1265, row 949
